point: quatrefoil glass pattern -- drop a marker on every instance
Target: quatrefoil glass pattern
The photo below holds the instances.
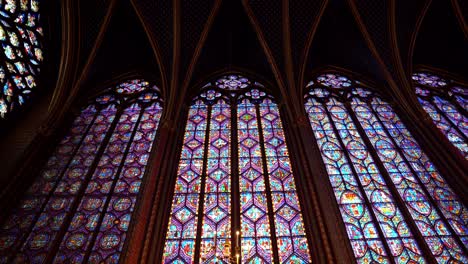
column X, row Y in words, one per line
column 232, row 82
column 446, row 102
column 81, row 205
column 392, row 199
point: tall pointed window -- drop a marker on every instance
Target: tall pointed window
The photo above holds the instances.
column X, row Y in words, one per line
column 20, row 38
column 235, row 194
column 80, row 207
column 447, row 104
column 395, row 205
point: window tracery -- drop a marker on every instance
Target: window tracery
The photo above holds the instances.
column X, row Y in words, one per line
column 446, row 102
column 80, row 206
column 235, row 175
column 394, row 203
column 20, row 37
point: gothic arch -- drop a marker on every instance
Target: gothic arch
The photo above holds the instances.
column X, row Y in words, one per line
column 241, row 103
column 81, row 203
column 354, row 124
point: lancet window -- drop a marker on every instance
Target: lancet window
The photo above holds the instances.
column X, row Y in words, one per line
column 395, row 205
column 235, row 196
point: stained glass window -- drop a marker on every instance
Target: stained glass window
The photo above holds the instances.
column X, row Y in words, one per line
column 80, row 207
column 20, row 37
column 395, row 205
column 446, row 102
column 235, row 194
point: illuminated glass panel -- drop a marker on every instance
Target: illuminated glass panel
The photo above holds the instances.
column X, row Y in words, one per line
column 216, row 229
column 255, row 225
column 446, row 103
column 20, row 37
column 80, row 207
column 182, row 231
column 289, row 226
column 387, row 189
column 397, row 163
column 234, row 115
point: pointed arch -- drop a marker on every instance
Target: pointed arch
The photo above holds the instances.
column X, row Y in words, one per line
column 235, row 185
column 393, row 200
column 446, row 102
column 80, row 206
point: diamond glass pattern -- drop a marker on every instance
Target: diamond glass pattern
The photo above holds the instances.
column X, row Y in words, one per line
column 208, row 232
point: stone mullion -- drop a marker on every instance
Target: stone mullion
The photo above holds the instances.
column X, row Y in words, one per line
column 424, row 189
column 235, row 193
column 114, row 183
column 271, row 213
column 361, row 188
column 201, row 198
column 74, row 207
column 393, row 189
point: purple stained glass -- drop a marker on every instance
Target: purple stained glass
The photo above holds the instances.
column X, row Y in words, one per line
column 261, row 185
column 333, row 80
column 255, row 226
column 445, row 199
column 446, row 104
column 216, row 227
column 446, row 126
column 427, row 198
column 133, row 86
column 51, row 219
column 429, row 79
column 232, row 82
column 90, row 205
column 21, row 37
column 13, row 231
column 428, row 220
column 210, row 95
column 112, row 233
column 289, row 226
column 90, row 209
column 182, row 230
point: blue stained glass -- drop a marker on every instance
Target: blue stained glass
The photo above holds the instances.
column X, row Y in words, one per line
column 181, row 233
column 210, row 119
column 98, row 203
column 361, row 190
column 20, row 42
column 446, row 104
column 429, row 221
column 360, row 225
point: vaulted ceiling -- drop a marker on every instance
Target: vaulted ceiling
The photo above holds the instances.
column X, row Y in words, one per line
column 180, row 43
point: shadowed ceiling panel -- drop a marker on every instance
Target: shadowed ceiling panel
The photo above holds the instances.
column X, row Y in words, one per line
column 231, row 44
column 374, row 15
column 407, row 15
column 339, row 42
column 269, row 17
column 92, row 14
column 158, row 18
column 303, row 14
column 441, row 42
column 125, row 49
column 194, row 17
column 464, row 8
